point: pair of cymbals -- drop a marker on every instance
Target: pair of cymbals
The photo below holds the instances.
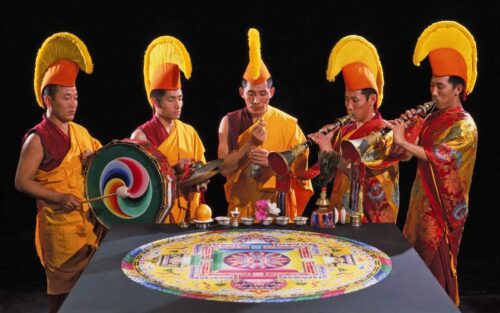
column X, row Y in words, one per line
column 201, row 174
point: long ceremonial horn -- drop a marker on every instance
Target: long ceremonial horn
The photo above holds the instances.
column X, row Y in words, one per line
column 280, row 162
column 356, row 148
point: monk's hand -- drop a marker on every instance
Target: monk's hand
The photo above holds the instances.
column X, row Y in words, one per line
column 183, row 168
column 85, row 157
column 258, row 134
column 202, row 187
column 323, row 141
column 409, row 114
column 398, row 128
column 259, row 156
column 67, row 202
column 185, row 162
column 329, row 130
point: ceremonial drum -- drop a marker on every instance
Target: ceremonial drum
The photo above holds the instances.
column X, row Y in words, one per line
column 139, row 169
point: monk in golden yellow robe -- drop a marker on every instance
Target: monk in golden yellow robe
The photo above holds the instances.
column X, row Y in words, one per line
column 247, row 136
column 178, row 141
column 50, row 168
column 446, row 152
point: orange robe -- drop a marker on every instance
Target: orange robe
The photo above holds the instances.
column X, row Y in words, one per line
column 183, row 142
column 242, row 191
column 439, row 201
column 65, row 242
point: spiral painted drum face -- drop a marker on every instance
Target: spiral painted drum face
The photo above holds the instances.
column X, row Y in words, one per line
column 149, row 182
column 131, row 174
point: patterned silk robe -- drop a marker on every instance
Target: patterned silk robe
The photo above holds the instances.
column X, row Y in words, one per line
column 439, row 201
column 379, row 174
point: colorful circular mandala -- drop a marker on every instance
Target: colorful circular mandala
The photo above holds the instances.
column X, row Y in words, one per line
column 256, row 265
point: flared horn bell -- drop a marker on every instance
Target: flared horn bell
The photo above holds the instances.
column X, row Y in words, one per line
column 280, row 162
column 355, row 149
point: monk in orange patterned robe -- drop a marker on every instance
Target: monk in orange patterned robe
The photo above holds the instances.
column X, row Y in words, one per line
column 378, row 193
column 446, row 153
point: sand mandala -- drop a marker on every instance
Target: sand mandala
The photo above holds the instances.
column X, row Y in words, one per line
column 256, row 265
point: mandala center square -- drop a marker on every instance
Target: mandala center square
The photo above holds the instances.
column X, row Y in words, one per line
column 257, row 260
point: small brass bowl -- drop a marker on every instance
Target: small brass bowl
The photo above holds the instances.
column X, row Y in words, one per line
column 267, row 221
column 282, row 220
column 248, row 221
column 300, row 220
column 223, row 220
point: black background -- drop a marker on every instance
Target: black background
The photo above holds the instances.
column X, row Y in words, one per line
column 296, row 36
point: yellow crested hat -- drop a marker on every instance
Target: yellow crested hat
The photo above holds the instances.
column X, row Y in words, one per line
column 256, row 71
column 165, row 57
column 452, row 51
column 57, row 62
column 360, row 64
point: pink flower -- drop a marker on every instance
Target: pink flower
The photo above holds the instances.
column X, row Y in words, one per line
column 264, row 208
column 260, row 214
column 261, row 210
column 262, row 204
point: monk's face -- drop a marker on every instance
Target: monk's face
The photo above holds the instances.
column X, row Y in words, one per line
column 170, row 106
column 63, row 104
column 359, row 107
column 257, row 97
column 443, row 93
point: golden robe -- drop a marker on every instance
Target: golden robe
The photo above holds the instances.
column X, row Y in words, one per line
column 242, row 191
column 183, row 142
column 65, row 241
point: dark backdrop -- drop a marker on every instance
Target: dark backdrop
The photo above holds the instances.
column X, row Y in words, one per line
column 296, row 36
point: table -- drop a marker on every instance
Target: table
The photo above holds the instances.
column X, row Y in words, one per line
column 410, row 287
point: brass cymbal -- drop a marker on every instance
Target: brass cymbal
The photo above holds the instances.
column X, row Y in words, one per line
column 201, row 174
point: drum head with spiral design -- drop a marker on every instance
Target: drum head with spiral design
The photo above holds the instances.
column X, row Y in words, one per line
column 140, row 170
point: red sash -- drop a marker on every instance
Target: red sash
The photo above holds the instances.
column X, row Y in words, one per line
column 55, row 143
column 238, row 121
column 154, row 130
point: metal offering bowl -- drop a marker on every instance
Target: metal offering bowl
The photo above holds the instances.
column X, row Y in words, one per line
column 247, row 221
column 223, row 220
column 300, row 220
column 282, row 220
column 267, row 221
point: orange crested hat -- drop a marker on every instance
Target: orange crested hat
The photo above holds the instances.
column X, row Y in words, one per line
column 165, row 57
column 256, row 71
column 360, row 64
column 451, row 49
column 58, row 61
